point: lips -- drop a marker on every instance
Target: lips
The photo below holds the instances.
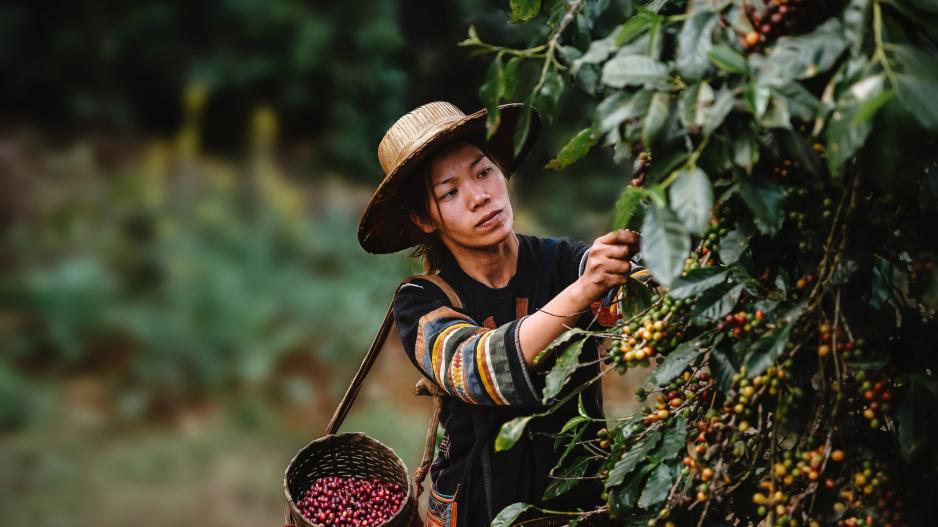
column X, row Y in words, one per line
column 488, row 217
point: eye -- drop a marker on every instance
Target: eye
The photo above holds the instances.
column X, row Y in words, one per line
column 485, row 172
column 449, row 194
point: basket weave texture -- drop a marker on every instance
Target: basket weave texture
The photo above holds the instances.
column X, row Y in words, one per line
column 348, row 455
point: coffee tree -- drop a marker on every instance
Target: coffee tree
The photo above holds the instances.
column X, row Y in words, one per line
column 781, row 160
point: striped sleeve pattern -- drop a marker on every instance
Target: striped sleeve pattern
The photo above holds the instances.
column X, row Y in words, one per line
column 472, row 363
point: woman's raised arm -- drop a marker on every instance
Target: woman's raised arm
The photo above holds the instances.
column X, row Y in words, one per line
column 607, row 266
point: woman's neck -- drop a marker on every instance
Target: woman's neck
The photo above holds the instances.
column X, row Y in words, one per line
column 491, row 266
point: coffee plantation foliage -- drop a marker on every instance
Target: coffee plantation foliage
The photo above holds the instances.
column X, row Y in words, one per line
column 779, row 159
column 173, row 277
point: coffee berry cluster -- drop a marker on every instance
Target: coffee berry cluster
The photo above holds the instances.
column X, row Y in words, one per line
column 867, row 498
column 719, row 226
column 876, row 397
column 743, row 393
column 829, row 339
column 737, row 324
column 783, row 17
column 351, row 501
column 710, row 431
column 799, row 467
column 673, row 397
column 652, row 337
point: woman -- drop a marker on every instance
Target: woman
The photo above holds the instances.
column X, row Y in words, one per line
column 445, row 193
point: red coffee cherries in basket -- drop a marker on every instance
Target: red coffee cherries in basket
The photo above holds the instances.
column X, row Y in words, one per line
column 351, row 501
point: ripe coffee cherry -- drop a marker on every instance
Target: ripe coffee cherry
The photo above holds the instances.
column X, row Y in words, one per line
column 351, row 501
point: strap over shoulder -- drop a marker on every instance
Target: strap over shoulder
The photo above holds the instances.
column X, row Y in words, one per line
column 438, row 281
column 352, row 392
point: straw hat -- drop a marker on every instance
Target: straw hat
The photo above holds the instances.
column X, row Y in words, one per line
column 385, row 226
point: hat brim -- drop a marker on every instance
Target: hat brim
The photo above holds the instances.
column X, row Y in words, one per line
column 385, row 226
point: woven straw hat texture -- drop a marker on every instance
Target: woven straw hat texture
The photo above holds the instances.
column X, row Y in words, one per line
column 385, row 226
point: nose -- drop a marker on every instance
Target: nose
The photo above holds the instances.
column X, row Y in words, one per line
column 478, row 196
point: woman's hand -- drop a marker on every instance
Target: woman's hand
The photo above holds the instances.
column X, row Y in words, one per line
column 608, row 264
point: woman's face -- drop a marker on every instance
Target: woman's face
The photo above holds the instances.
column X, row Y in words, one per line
column 469, row 197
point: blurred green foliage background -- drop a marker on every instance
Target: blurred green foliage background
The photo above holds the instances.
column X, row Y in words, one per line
column 182, row 297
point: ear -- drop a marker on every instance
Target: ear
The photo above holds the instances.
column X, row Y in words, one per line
column 424, row 226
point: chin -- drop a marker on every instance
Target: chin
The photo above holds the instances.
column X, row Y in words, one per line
column 497, row 236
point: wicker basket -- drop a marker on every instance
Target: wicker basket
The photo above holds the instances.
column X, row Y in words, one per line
column 348, row 455
column 356, row 454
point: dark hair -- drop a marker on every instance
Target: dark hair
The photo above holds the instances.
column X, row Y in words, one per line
column 431, row 249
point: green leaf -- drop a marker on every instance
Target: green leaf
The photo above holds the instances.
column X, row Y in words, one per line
column 510, row 432
column 491, row 93
column 625, row 206
column 715, row 304
column 855, row 23
column 511, row 79
column 598, row 51
column 632, row 28
column 523, row 10
column 566, row 364
column 623, row 499
column 548, row 96
column 732, row 246
column 635, row 70
column 692, row 199
column 656, row 117
column 697, row 281
column 694, row 43
column 804, row 56
column 721, row 108
column 764, row 199
column 675, row 362
column 665, row 244
column 757, row 97
column 559, row 341
column 574, row 442
column 745, row 148
column 673, row 441
column 636, row 297
column 577, row 147
column 723, row 369
column 656, row 490
column 579, row 406
column 567, row 479
column 728, row 59
column 918, row 97
column 801, row 103
column 509, row 514
column 631, row 458
column 524, row 125
column 619, row 107
column 766, row 351
column 777, row 114
column 573, row 423
column 694, row 106
column 844, row 137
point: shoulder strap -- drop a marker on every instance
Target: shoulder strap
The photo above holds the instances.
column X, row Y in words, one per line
column 352, row 392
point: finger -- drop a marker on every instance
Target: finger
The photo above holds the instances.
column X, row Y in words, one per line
column 613, row 266
column 617, row 252
column 627, row 237
column 620, row 237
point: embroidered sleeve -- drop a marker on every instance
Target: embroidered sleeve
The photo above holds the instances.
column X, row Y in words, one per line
column 475, row 364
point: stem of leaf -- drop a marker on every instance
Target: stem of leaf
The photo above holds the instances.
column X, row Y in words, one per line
column 880, row 53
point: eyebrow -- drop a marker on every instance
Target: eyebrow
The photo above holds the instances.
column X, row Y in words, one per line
column 474, row 163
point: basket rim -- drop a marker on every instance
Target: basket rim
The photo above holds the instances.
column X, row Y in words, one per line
column 351, row 437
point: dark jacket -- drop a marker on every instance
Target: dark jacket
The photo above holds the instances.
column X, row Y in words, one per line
column 474, row 355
